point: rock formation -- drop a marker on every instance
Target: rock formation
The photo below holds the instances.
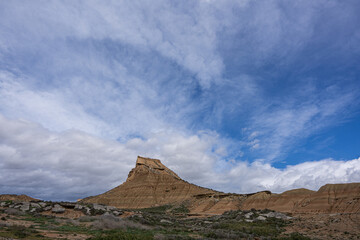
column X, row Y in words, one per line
column 149, row 184
column 152, row 184
column 331, row 198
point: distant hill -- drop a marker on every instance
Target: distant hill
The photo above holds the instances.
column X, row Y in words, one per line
column 330, row 198
column 152, row 184
column 14, row 197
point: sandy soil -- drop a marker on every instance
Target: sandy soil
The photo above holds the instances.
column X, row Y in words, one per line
column 327, row 226
column 69, row 213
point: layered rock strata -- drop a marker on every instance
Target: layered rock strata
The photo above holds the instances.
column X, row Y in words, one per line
column 151, row 184
column 330, row 198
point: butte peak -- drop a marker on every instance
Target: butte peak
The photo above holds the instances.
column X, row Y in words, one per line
column 150, row 183
column 152, row 165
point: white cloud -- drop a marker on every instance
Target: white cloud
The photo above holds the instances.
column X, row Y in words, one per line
column 106, row 109
column 135, row 71
column 312, row 175
column 49, row 108
column 77, row 53
column 73, row 164
column 188, row 39
column 278, row 128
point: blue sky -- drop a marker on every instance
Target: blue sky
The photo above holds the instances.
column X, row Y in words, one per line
column 239, row 96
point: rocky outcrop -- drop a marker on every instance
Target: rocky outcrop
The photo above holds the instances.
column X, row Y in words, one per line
column 152, row 184
column 149, row 184
column 331, row 198
column 58, row 208
column 215, row 203
column 285, row 202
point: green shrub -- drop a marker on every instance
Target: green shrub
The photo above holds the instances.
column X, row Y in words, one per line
column 123, row 236
column 159, row 209
column 295, row 236
column 180, row 209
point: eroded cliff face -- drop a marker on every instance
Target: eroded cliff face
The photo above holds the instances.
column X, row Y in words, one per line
column 331, row 198
column 150, row 184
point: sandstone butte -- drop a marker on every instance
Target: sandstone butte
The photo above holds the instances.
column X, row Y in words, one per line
column 152, row 184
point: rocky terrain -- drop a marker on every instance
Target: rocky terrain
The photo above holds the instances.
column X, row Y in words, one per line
column 66, row 220
column 155, row 203
column 331, row 198
column 152, row 184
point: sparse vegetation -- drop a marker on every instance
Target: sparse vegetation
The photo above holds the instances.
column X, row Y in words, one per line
column 123, row 235
column 295, row 236
column 18, row 231
column 163, row 222
column 180, row 209
column 159, row 209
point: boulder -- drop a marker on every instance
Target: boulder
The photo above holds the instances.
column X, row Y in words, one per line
column 117, row 213
column 261, row 218
column 48, row 208
column 58, row 209
column 99, row 207
column 165, row 221
column 276, row 215
column 35, row 205
column 248, row 215
column 25, row 206
column 79, row 207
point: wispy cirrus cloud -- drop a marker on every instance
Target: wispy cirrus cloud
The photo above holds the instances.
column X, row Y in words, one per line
column 275, row 128
column 212, row 82
column 188, row 38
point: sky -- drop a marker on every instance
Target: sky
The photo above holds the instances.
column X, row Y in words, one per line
column 239, row 96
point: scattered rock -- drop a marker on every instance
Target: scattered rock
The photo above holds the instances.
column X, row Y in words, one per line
column 165, row 221
column 35, row 205
column 277, row 215
column 58, row 209
column 13, row 211
column 110, row 208
column 87, row 211
column 99, row 207
column 48, row 208
column 117, row 213
column 25, row 206
column 67, row 204
column 79, row 207
column 261, row 218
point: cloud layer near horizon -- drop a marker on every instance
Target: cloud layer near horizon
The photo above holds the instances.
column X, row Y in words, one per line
column 72, row 164
column 236, row 87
